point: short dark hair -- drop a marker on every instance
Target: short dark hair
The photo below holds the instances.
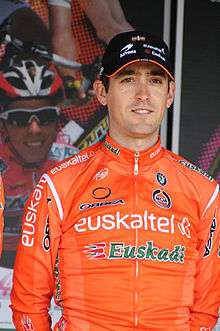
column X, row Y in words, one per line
column 105, row 82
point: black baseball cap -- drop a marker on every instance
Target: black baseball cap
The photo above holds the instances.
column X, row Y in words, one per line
column 133, row 46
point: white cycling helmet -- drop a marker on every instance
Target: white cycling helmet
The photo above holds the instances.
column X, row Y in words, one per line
column 29, row 79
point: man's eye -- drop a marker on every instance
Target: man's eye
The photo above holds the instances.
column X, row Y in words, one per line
column 127, row 80
column 156, row 81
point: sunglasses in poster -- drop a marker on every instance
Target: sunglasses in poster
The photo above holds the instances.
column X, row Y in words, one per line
column 23, row 117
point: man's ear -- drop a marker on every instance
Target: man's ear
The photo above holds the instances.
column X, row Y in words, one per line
column 100, row 91
column 171, row 93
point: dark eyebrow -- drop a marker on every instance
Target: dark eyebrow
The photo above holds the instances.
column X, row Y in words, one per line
column 154, row 72
column 158, row 72
column 125, row 72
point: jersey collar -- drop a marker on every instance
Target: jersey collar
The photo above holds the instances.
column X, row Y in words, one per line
column 126, row 155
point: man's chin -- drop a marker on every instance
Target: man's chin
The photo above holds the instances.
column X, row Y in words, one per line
column 35, row 161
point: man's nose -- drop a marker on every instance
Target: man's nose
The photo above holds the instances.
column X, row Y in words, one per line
column 142, row 90
column 34, row 126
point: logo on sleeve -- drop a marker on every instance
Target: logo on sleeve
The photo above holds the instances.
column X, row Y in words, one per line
column 30, row 218
column 46, row 238
column 27, row 323
column 208, row 246
column 195, row 168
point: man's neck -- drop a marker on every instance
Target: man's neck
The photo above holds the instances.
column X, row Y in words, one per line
column 137, row 143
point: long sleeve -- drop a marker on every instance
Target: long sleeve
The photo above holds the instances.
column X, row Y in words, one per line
column 204, row 312
column 33, row 280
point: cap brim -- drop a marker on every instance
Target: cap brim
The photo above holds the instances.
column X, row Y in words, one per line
column 142, row 60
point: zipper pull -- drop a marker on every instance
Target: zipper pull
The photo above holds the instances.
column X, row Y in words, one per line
column 136, row 158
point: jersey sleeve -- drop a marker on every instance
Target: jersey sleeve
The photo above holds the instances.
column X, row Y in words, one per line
column 33, row 280
column 204, row 312
column 2, row 203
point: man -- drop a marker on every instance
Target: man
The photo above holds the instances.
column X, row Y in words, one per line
column 130, row 228
column 31, row 93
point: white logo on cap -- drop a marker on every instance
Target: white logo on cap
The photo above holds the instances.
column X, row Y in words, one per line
column 126, row 50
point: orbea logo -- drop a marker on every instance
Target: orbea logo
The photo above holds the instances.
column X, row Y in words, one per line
column 119, row 250
column 147, row 221
column 77, row 159
column 85, row 206
column 127, row 50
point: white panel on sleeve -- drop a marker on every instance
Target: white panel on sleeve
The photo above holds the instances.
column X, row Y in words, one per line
column 212, row 199
column 56, row 196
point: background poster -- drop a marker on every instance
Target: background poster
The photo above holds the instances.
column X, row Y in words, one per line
column 199, row 132
column 200, row 97
column 83, row 123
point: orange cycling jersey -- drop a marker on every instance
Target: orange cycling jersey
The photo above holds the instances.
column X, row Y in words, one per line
column 1, row 214
column 124, row 240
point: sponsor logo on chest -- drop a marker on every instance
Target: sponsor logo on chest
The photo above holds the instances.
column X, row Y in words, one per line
column 147, row 221
column 149, row 251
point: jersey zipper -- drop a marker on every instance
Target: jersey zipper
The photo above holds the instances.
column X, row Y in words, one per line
column 136, row 295
column 136, row 165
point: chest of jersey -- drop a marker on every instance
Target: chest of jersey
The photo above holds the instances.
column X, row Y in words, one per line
column 126, row 233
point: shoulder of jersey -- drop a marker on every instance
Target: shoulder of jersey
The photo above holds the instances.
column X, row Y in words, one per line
column 76, row 161
column 191, row 170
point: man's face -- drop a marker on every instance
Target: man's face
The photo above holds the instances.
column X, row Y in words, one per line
column 136, row 100
column 32, row 142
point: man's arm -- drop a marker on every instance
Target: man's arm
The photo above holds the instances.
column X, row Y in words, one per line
column 62, row 38
column 118, row 14
column 106, row 16
column 2, row 203
column 33, row 280
column 204, row 312
column 64, row 44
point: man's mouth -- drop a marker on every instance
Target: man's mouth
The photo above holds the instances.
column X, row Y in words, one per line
column 141, row 111
column 34, row 143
